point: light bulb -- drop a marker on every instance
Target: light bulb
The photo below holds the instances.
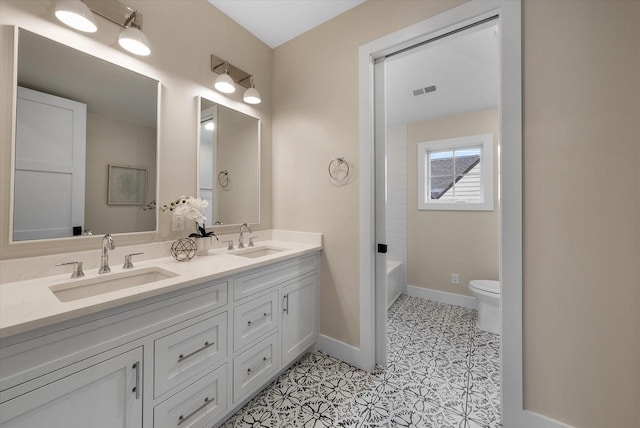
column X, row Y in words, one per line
column 252, row 96
column 76, row 15
column 134, row 41
column 224, row 83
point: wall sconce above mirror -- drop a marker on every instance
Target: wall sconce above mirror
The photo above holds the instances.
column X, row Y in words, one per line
column 76, row 115
column 229, row 165
column 229, row 75
column 79, row 15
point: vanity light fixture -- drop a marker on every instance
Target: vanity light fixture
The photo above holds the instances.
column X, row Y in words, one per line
column 251, row 95
column 231, row 75
column 76, row 15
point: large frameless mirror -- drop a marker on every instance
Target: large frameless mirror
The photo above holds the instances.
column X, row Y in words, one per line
column 85, row 158
column 229, row 164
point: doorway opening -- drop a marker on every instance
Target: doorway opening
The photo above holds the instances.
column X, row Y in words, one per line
column 438, row 205
column 373, row 266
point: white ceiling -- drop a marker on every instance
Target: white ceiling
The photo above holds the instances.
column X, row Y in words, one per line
column 464, row 68
column 278, row 21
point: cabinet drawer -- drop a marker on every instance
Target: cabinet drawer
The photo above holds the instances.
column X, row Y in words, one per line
column 253, row 319
column 195, row 406
column 187, row 352
column 246, row 285
column 254, row 366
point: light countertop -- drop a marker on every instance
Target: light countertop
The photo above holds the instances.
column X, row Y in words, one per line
column 30, row 304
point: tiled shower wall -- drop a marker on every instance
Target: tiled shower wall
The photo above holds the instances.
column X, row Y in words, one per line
column 397, row 195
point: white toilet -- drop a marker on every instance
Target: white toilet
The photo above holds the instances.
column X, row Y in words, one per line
column 487, row 294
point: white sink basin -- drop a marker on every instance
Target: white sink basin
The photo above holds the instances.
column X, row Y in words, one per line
column 255, row 252
column 90, row 287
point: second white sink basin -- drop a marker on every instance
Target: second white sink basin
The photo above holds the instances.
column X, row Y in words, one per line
column 255, row 252
column 90, row 287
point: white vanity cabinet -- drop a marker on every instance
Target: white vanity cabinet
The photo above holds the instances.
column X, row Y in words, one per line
column 262, row 335
column 105, row 395
column 299, row 328
column 188, row 358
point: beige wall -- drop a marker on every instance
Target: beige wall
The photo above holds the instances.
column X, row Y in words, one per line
column 444, row 242
column 582, row 236
column 582, row 211
column 180, row 60
column 114, row 141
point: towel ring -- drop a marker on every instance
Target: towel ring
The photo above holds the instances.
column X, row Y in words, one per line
column 223, row 179
column 335, row 175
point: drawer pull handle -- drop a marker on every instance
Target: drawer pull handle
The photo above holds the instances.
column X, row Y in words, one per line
column 250, row 370
column 285, row 303
column 182, row 419
column 136, row 388
column 249, row 323
column 182, row 357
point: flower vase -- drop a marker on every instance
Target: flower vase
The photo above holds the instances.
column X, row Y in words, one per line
column 204, row 245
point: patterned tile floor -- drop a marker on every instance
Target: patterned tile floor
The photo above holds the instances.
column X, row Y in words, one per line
column 442, row 372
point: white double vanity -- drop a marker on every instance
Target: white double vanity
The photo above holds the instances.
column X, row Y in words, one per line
column 163, row 343
column 184, row 350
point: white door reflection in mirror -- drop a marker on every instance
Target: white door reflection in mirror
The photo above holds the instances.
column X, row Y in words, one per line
column 208, row 144
column 49, row 166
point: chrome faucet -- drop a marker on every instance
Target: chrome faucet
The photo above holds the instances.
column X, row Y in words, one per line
column 241, row 239
column 107, row 244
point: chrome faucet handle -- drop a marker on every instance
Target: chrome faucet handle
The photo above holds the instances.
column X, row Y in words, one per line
column 230, row 246
column 77, row 269
column 251, row 238
column 127, row 260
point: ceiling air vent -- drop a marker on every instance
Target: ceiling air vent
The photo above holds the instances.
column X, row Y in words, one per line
column 422, row 91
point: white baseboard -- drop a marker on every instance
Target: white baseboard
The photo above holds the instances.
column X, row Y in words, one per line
column 342, row 351
column 442, row 297
column 534, row 420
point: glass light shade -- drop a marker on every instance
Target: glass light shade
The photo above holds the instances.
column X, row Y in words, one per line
column 224, row 83
column 209, row 126
column 76, row 15
column 252, row 96
column 134, row 41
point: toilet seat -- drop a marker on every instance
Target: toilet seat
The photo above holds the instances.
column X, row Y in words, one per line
column 488, row 286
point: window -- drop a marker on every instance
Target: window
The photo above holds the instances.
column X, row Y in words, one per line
column 456, row 174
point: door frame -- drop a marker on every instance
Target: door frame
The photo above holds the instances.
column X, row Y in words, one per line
column 510, row 187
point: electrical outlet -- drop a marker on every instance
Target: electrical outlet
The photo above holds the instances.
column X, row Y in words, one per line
column 455, row 279
column 177, row 222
